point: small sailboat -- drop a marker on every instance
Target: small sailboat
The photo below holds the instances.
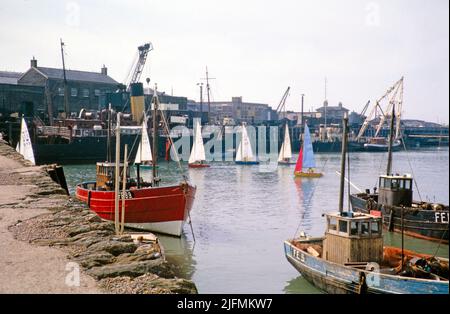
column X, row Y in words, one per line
column 244, row 154
column 24, row 146
column 351, row 256
column 144, row 152
column 284, row 158
column 306, row 165
column 197, row 157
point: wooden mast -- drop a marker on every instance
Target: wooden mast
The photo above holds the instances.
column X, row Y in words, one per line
column 391, row 139
column 344, row 151
column 155, row 137
column 117, row 176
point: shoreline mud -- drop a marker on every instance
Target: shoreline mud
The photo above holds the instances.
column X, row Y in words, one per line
column 47, row 236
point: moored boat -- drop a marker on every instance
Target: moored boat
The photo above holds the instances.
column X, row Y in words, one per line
column 381, row 144
column 351, row 256
column 145, row 205
column 393, row 201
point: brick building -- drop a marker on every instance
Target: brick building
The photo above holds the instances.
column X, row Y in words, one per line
column 84, row 88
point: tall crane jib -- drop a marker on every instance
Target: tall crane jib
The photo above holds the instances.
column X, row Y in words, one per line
column 134, row 87
column 142, row 57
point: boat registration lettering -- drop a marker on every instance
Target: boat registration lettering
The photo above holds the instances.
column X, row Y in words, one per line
column 299, row 255
column 441, row 217
column 127, row 195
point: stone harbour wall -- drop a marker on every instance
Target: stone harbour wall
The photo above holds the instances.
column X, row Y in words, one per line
column 55, row 234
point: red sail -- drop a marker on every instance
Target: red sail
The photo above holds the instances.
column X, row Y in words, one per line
column 299, row 164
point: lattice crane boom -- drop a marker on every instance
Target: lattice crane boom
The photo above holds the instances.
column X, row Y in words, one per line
column 138, row 66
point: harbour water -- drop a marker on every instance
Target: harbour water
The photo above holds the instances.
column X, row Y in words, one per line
column 242, row 215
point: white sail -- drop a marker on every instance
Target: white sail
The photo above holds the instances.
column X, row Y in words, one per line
column 244, row 152
column 25, row 147
column 144, row 152
column 286, row 151
column 198, row 149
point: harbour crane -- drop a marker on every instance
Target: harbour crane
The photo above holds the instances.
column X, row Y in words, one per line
column 282, row 103
column 138, row 65
column 394, row 97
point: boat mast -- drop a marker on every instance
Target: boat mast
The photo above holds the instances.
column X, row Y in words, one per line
column 344, row 151
column 117, row 176
column 391, row 139
column 326, row 102
column 155, row 136
column 66, row 89
column 302, row 119
column 108, row 143
column 208, row 93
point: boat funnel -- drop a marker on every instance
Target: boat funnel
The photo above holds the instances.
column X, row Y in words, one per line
column 137, row 102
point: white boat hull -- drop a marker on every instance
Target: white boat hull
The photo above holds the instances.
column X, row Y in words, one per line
column 174, row 228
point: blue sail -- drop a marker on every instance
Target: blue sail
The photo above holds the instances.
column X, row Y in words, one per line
column 308, row 154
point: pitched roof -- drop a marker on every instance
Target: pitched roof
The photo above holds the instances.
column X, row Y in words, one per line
column 7, row 77
column 74, row 75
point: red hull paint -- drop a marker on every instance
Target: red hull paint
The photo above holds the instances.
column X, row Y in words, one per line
column 147, row 205
column 198, row 165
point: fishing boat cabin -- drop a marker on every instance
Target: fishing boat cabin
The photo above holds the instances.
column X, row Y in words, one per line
column 395, row 190
column 353, row 238
column 105, row 177
column 106, row 174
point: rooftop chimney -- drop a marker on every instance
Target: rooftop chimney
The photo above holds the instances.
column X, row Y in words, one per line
column 104, row 70
column 33, row 63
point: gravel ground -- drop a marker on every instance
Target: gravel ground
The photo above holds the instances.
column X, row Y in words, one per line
column 43, row 231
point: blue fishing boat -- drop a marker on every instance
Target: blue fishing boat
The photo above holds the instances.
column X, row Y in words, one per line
column 351, row 256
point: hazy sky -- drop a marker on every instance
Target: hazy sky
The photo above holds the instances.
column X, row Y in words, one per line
column 254, row 49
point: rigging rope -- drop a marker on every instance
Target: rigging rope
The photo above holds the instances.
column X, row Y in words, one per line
column 410, row 166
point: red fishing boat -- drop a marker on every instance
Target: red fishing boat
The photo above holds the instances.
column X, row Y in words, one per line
column 145, row 205
column 162, row 209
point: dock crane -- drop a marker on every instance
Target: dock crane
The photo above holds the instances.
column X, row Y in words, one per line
column 138, row 65
column 282, row 103
column 394, row 98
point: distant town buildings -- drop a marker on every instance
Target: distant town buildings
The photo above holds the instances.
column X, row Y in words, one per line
column 331, row 114
column 237, row 111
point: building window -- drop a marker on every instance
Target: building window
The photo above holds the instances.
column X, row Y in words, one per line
column 73, row 92
column 97, row 92
column 60, row 91
column 86, row 92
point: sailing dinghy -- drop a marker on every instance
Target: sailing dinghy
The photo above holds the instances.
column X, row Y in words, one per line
column 144, row 152
column 197, row 157
column 306, row 165
column 244, row 154
column 24, row 146
column 285, row 156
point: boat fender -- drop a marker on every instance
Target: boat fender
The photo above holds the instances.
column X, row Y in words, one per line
column 89, row 199
column 362, row 287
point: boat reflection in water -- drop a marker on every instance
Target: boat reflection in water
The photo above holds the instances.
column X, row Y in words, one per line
column 180, row 252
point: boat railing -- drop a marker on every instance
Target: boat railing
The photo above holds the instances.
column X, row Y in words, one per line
column 61, row 131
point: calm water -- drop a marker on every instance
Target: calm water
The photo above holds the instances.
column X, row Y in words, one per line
column 242, row 215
